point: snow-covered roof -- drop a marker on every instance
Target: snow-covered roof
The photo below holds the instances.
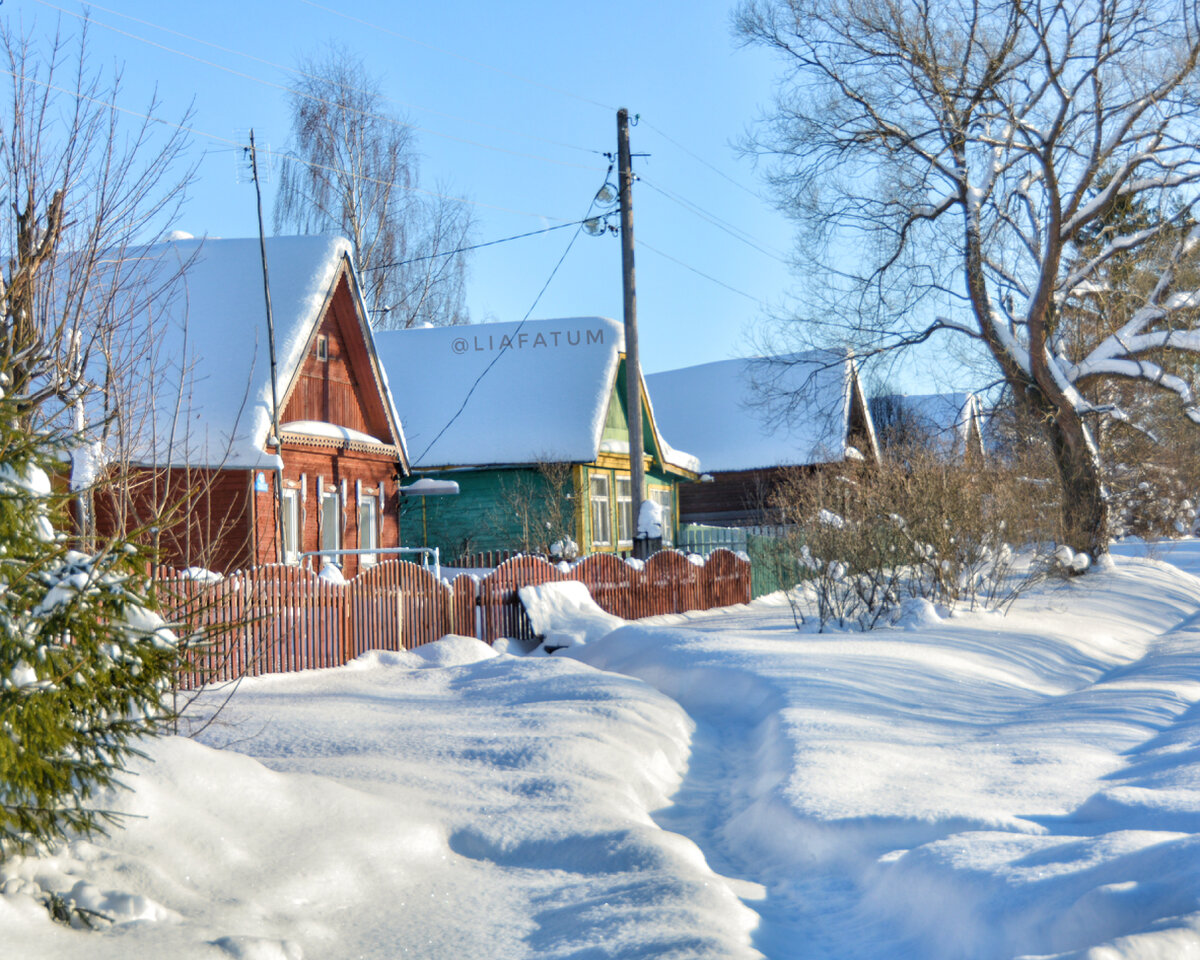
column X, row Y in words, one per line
column 206, row 388
column 759, row 412
column 944, row 422
column 507, row 393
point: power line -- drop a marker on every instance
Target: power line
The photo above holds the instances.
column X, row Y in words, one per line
column 459, row 56
column 503, row 349
column 476, row 246
column 308, row 96
column 701, row 273
column 736, row 232
column 302, row 73
column 699, row 159
column 195, row 131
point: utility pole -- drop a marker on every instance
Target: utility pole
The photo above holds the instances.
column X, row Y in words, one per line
column 633, row 367
column 262, row 247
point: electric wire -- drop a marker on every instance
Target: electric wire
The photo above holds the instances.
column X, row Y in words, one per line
column 701, row 273
column 459, row 56
column 503, row 349
column 736, row 232
column 474, row 246
column 308, row 76
column 308, row 96
column 699, row 159
column 197, row 132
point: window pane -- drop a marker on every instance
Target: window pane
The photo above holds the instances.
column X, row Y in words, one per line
column 331, row 522
column 291, row 526
column 601, row 524
column 368, row 536
column 624, row 509
column 662, row 497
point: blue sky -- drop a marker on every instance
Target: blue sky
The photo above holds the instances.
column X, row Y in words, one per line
column 514, row 105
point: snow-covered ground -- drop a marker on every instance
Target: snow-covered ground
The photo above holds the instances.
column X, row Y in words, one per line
column 706, row 785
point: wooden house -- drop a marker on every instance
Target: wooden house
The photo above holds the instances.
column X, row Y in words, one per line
column 530, row 420
column 947, row 425
column 193, row 455
column 752, row 421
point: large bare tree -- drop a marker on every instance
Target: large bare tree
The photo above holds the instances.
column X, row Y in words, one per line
column 353, row 169
column 950, row 163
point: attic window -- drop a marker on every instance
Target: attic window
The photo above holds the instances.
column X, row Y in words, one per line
column 322, row 348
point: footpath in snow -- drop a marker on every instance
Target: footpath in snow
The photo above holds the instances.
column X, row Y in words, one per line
column 709, row 785
column 986, row 787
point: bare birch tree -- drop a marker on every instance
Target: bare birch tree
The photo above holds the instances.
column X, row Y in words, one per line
column 353, row 169
column 84, row 188
column 948, row 162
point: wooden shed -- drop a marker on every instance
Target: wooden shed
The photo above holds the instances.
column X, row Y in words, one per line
column 530, row 420
column 195, row 460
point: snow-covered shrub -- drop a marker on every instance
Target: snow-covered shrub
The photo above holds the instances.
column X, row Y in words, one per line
column 865, row 541
column 85, row 663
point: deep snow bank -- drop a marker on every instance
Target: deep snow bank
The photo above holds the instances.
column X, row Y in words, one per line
column 442, row 803
column 988, row 787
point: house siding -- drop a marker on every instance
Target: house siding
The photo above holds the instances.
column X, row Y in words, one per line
column 338, row 390
column 196, row 518
column 303, row 468
column 482, row 516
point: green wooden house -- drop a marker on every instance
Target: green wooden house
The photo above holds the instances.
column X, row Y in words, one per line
column 530, row 420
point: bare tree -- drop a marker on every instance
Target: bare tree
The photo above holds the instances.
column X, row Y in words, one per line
column 85, row 189
column 947, row 159
column 353, row 170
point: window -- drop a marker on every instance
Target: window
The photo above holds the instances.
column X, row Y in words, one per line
column 662, row 496
column 601, row 518
column 624, row 510
column 291, row 526
column 322, row 348
column 331, row 522
column 368, row 530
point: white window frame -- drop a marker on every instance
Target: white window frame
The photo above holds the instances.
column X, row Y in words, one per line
column 624, row 503
column 290, row 507
column 368, row 529
column 664, row 498
column 601, row 508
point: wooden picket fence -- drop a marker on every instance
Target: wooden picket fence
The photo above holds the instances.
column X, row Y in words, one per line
column 277, row 618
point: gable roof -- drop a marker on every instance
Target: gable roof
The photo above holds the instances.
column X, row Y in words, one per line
column 205, row 387
column 947, row 423
column 752, row 413
column 508, row 393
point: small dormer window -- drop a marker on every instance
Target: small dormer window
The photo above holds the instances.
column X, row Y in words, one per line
column 322, row 348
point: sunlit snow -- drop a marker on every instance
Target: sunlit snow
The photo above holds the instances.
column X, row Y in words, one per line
column 704, row 785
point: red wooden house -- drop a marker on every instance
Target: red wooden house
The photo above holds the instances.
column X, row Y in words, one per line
column 194, row 454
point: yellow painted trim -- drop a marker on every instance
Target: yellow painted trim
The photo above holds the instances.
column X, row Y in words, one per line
column 581, row 501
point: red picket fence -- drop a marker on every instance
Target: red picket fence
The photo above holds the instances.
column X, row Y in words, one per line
column 276, row 618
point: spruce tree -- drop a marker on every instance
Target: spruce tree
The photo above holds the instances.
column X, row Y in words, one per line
column 85, row 665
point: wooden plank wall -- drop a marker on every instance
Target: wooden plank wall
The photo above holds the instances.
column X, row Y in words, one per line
column 277, row 618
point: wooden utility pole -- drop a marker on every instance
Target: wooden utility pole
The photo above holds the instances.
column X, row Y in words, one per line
column 633, row 367
column 262, row 247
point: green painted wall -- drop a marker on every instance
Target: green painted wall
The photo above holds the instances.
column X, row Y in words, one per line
column 495, row 509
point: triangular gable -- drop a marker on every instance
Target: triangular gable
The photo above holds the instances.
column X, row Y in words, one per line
column 668, row 459
column 346, row 388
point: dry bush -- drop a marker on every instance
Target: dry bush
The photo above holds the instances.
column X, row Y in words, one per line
column 867, row 540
